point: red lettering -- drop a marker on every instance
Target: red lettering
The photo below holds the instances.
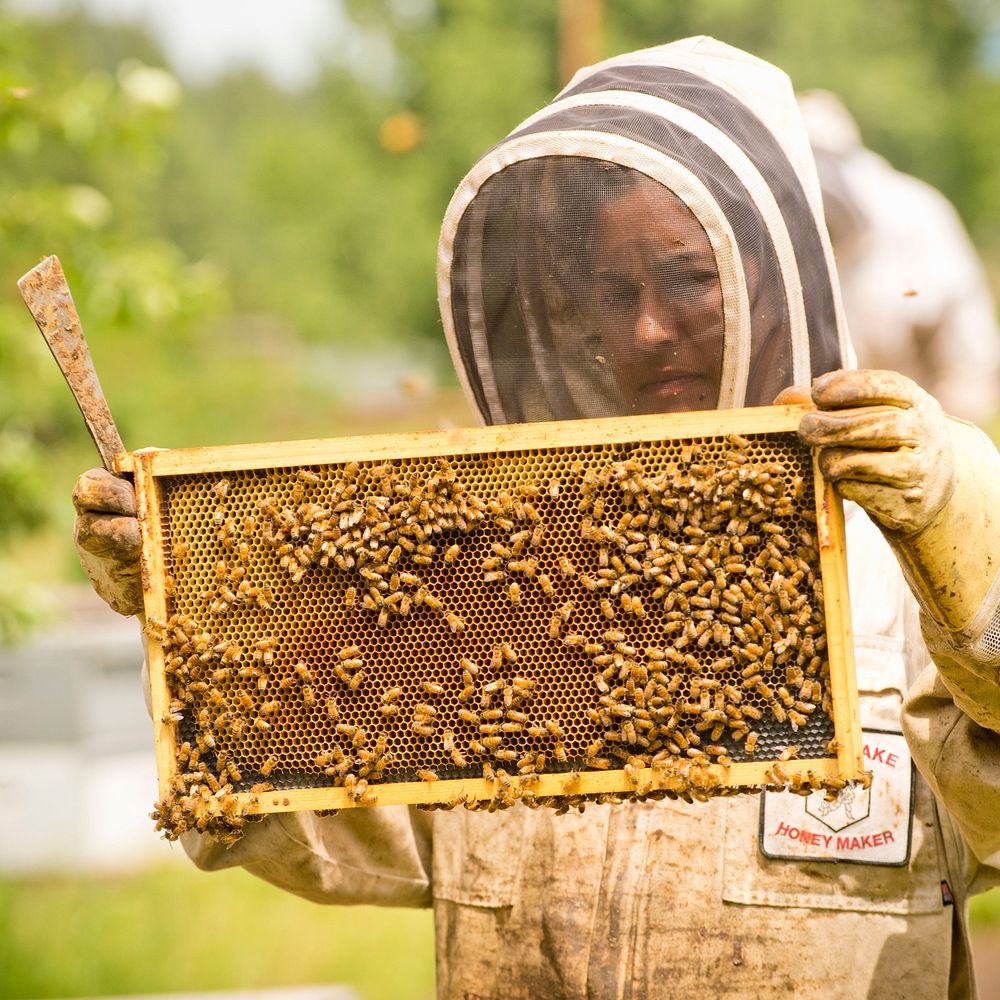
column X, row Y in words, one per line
column 891, row 759
column 866, row 840
column 782, row 830
column 843, row 843
column 888, row 836
column 877, row 839
column 875, row 753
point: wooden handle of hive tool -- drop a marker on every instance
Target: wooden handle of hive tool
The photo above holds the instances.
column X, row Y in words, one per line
column 48, row 298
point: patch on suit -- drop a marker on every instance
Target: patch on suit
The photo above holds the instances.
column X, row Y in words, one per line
column 868, row 826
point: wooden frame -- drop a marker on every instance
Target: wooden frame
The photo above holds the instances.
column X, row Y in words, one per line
column 150, row 466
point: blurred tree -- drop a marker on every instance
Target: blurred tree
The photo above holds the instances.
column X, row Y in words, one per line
column 340, row 191
column 82, row 154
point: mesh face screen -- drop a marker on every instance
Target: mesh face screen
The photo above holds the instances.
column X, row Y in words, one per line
column 536, row 612
column 576, row 281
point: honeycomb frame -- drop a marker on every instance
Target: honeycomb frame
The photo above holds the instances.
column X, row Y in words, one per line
column 533, row 454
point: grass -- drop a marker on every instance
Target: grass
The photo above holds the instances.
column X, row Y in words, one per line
column 984, row 910
column 175, row 929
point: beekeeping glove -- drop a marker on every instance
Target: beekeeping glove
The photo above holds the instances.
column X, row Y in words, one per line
column 107, row 538
column 932, row 483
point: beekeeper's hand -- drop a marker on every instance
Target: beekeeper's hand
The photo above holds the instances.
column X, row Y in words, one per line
column 107, row 538
column 884, row 443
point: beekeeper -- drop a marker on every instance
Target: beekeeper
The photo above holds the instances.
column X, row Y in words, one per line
column 653, row 241
column 914, row 291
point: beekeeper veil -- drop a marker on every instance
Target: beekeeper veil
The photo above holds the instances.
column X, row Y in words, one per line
column 650, row 241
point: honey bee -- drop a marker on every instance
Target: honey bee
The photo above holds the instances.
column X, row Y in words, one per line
column 306, row 476
column 427, row 775
column 221, row 489
column 796, row 719
column 351, row 597
column 433, row 688
column 452, row 553
column 780, row 774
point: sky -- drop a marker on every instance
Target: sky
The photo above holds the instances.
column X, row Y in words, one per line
column 203, row 38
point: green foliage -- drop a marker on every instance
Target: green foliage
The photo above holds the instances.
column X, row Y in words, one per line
column 177, row 930
column 82, row 150
column 224, row 247
column 984, row 910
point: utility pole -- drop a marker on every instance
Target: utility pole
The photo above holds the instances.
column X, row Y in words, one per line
column 581, row 35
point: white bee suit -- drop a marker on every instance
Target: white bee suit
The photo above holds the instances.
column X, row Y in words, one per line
column 671, row 899
column 914, row 291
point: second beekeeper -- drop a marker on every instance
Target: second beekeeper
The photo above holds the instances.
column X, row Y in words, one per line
column 652, row 241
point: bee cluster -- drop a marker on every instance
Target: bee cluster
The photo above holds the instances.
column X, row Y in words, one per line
column 725, row 578
column 660, row 614
column 380, row 530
